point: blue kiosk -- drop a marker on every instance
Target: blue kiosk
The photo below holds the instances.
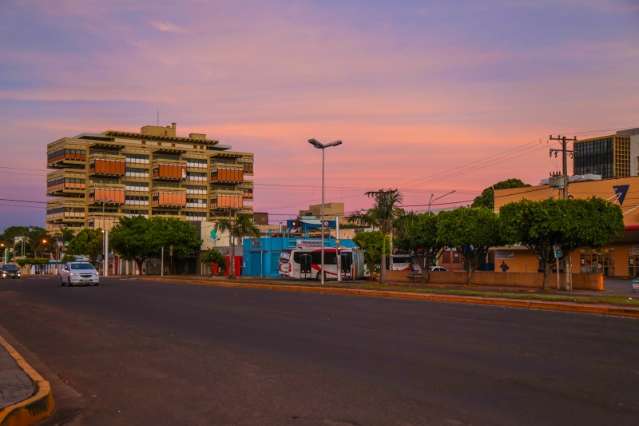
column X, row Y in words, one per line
column 262, row 255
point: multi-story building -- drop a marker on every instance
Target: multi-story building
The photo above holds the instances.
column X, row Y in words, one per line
column 611, row 156
column 101, row 177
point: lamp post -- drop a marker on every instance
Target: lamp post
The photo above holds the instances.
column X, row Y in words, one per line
column 317, row 144
column 431, row 199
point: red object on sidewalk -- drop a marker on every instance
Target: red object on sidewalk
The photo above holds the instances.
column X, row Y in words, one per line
column 238, row 265
column 215, row 269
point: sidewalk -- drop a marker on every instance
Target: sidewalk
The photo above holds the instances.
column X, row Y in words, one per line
column 15, row 385
column 25, row 397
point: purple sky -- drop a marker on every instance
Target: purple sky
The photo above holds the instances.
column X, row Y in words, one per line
column 426, row 96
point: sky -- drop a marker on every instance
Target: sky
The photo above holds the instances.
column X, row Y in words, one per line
column 427, row 96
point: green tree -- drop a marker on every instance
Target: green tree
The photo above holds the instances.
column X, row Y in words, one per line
column 471, row 230
column 382, row 216
column 567, row 224
column 487, row 197
column 132, row 239
column 36, row 240
column 87, row 242
column 238, row 227
column 138, row 238
column 213, row 256
column 180, row 238
column 372, row 242
column 418, row 233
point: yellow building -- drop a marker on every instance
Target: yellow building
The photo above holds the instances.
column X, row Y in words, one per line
column 618, row 259
column 100, row 177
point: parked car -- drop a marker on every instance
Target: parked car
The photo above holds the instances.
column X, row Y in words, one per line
column 438, row 269
column 78, row 273
column 10, row 270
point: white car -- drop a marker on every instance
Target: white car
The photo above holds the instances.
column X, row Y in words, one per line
column 78, row 273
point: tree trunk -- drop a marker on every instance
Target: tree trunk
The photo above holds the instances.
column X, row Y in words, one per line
column 547, row 269
column 139, row 262
column 382, row 269
column 426, row 271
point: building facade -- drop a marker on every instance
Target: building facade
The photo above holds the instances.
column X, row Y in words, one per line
column 97, row 178
column 611, row 156
column 617, row 259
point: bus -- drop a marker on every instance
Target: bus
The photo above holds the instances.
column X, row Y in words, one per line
column 305, row 263
column 401, row 262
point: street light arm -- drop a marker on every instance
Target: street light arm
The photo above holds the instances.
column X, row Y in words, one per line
column 444, row 195
column 317, row 144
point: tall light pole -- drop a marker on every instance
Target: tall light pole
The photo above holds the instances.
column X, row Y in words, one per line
column 317, row 144
column 431, row 199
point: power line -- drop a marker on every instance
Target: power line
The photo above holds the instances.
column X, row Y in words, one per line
column 23, row 201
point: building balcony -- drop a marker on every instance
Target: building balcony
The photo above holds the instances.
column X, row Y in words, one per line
column 227, row 199
column 62, row 154
column 65, row 182
column 112, row 166
column 168, row 198
column 65, row 211
column 107, row 195
column 170, row 171
column 227, row 173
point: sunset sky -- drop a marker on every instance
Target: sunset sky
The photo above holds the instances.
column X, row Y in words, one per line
column 428, row 96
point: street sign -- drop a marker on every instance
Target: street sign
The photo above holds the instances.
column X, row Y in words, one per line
column 213, row 234
column 557, row 251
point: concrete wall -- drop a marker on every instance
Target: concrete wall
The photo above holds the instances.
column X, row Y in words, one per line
column 532, row 280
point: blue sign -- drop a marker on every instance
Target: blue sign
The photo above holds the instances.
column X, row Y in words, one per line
column 620, row 192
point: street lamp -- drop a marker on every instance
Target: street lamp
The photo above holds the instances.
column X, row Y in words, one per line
column 431, row 199
column 317, row 144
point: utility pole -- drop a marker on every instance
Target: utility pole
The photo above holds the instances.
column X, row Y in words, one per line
column 563, row 140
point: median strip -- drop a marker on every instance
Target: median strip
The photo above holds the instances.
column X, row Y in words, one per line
column 510, row 302
column 34, row 408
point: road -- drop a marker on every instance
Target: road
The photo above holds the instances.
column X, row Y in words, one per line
column 140, row 352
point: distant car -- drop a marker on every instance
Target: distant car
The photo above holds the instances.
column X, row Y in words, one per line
column 79, row 273
column 438, row 269
column 9, row 270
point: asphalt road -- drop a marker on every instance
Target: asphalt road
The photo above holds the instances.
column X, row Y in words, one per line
column 148, row 353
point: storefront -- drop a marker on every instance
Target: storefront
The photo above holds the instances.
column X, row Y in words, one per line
column 617, row 259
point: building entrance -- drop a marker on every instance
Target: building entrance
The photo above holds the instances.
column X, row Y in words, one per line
column 595, row 261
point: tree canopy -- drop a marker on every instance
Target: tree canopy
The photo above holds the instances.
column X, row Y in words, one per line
column 382, row 216
column 372, row 243
column 568, row 224
column 472, row 230
column 138, row 238
column 87, row 242
column 238, row 227
column 487, row 197
column 417, row 233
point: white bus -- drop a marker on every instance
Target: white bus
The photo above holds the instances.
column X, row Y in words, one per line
column 305, row 263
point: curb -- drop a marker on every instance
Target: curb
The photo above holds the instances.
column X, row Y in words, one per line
column 609, row 310
column 38, row 406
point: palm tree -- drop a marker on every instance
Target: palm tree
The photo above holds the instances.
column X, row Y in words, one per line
column 238, row 227
column 382, row 216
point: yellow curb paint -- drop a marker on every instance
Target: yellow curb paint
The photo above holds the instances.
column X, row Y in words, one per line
column 33, row 409
column 430, row 297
